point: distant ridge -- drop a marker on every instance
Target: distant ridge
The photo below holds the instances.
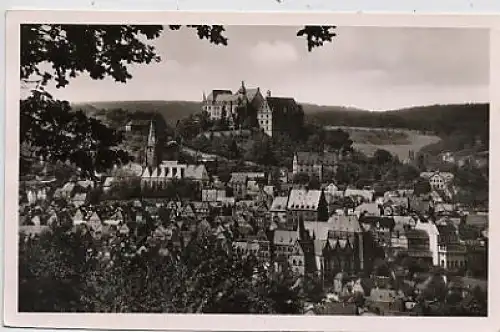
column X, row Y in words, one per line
column 438, row 119
column 172, row 111
column 442, row 120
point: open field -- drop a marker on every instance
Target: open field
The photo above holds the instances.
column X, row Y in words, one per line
column 397, row 141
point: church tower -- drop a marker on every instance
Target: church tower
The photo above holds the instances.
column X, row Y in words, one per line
column 151, row 147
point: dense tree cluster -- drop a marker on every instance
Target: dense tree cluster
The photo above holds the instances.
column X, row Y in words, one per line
column 71, row 272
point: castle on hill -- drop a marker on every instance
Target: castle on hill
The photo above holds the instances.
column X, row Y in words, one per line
column 249, row 108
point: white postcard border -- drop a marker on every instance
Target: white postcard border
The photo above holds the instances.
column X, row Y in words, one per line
column 235, row 322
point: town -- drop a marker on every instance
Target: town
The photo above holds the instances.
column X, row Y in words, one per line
column 406, row 245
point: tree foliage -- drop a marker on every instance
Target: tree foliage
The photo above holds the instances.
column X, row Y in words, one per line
column 75, row 274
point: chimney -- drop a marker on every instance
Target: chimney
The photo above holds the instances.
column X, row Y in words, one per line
column 268, row 93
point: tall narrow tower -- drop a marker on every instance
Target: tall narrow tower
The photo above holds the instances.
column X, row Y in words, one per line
column 151, row 147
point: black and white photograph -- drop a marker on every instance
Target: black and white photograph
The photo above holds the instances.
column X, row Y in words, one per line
column 250, row 169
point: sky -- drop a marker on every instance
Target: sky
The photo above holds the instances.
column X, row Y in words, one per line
column 373, row 68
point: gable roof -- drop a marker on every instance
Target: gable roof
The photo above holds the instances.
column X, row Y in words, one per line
column 383, row 295
column 302, row 199
column 384, row 222
column 197, row 172
column 279, row 203
column 282, row 104
column 80, row 197
column 349, row 224
column 282, row 237
column 318, row 229
column 238, row 178
column 368, row 194
column 371, row 208
column 480, row 220
column 216, row 94
column 447, row 176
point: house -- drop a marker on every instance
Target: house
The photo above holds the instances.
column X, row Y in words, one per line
column 381, row 228
column 383, row 300
column 315, row 164
column 317, row 230
column 344, row 248
column 283, row 243
column 399, row 241
column 279, row 210
column 78, row 218
column 420, row 205
column 296, row 259
column 197, row 173
column 187, row 211
column 67, row 190
column 368, row 209
column 447, row 157
column 419, row 245
column 363, row 195
column 433, row 235
column 124, row 230
column 405, row 220
column 253, row 188
column 201, row 209
column 115, row 219
column 85, row 184
column 438, row 180
column 479, row 220
column 452, row 255
column 79, row 200
column 106, row 186
column 36, row 221
column 238, row 183
column 94, row 222
column 306, row 205
column 213, row 195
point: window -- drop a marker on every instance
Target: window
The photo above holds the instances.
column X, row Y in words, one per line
column 442, row 263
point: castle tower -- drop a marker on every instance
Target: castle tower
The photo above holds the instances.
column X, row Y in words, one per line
column 151, row 147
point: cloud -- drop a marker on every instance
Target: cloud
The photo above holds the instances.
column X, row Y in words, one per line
column 273, row 53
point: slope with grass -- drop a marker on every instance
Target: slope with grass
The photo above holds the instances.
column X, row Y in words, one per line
column 398, row 142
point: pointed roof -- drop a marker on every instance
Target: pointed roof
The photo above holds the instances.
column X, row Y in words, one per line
column 152, row 134
column 155, row 173
column 282, row 237
column 94, row 217
column 146, row 173
column 78, row 215
column 124, row 229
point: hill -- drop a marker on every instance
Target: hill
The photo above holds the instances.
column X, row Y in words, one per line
column 438, row 119
column 458, row 126
column 172, row 111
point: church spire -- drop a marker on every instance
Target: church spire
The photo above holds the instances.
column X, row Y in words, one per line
column 151, row 147
column 152, row 135
column 204, row 97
